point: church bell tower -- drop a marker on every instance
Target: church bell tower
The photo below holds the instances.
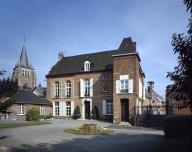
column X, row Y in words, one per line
column 24, row 72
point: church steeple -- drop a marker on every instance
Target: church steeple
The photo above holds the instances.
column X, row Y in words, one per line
column 24, row 72
column 23, row 61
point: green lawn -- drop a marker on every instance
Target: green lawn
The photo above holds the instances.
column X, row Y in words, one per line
column 21, row 124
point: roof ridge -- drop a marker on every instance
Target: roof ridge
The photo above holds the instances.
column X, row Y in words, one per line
column 90, row 53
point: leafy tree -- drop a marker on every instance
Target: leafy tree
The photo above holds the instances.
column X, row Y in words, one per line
column 182, row 74
column 76, row 114
column 95, row 113
column 8, row 87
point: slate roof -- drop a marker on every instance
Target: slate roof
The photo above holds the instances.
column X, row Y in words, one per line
column 24, row 62
column 27, row 97
column 99, row 61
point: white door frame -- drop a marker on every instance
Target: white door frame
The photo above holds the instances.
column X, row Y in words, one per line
column 83, row 107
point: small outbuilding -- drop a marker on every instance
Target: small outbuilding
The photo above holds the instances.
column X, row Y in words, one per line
column 22, row 101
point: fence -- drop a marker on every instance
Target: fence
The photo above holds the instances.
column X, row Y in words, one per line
column 153, row 116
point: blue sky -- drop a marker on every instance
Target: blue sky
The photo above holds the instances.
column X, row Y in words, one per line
column 86, row 26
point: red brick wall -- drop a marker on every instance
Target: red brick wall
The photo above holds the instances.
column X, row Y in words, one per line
column 15, row 116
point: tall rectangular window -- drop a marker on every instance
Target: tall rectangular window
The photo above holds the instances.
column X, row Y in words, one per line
column 21, row 110
column 57, row 90
column 109, row 107
column 123, row 86
column 87, row 88
column 69, row 89
column 68, row 108
column 57, row 109
column 42, row 110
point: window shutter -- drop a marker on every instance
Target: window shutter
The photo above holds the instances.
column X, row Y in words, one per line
column 81, row 88
column 64, row 109
column 91, row 87
column 53, row 90
column 62, row 89
column 104, row 107
column 117, row 86
column 143, row 92
column 131, row 86
column 72, row 88
column 72, row 107
column 60, row 108
column 53, row 108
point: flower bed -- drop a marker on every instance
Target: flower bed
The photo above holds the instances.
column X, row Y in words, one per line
column 89, row 129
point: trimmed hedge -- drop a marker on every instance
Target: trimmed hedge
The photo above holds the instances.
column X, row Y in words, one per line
column 76, row 113
column 33, row 114
column 95, row 113
column 179, row 126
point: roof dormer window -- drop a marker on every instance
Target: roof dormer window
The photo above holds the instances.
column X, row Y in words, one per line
column 87, row 66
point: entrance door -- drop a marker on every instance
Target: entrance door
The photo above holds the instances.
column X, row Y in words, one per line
column 124, row 110
column 87, row 110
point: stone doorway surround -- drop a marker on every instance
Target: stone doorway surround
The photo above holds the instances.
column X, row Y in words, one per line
column 83, row 106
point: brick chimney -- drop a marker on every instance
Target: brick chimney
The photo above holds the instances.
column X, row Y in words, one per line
column 150, row 87
column 60, row 56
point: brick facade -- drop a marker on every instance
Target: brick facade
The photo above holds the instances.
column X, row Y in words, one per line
column 15, row 116
column 126, row 63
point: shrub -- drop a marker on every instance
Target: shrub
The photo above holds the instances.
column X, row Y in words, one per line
column 76, row 114
column 95, row 113
column 33, row 114
column 178, row 126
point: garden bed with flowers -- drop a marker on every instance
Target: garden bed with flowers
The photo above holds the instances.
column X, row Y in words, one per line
column 89, row 129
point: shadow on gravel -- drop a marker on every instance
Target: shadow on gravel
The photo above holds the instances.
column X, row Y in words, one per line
column 112, row 143
column 3, row 137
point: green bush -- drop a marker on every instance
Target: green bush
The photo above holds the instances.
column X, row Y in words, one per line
column 95, row 113
column 76, row 113
column 33, row 114
column 178, row 126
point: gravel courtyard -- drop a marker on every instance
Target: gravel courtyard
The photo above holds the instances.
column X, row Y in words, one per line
column 51, row 137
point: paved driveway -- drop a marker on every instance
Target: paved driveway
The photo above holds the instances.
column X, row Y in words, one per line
column 51, row 137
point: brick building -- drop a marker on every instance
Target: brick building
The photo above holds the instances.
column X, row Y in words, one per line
column 24, row 100
column 113, row 81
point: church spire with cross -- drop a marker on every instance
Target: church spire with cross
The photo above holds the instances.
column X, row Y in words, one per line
column 23, row 71
column 23, row 61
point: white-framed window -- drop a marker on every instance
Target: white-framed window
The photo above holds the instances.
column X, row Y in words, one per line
column 68, row 108
column 109, row 107
column 21, row 109
column 87, row 87
column 123, row 86
column 68, row 89
column 57, row 109
column 87, row 66
column 42, row 110
column 57, row 89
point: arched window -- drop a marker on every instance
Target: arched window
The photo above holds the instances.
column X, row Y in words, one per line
column 87, row 66
column 57, row 89
column 68, row 89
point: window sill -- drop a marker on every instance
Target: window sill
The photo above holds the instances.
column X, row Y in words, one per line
column 20, row 114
